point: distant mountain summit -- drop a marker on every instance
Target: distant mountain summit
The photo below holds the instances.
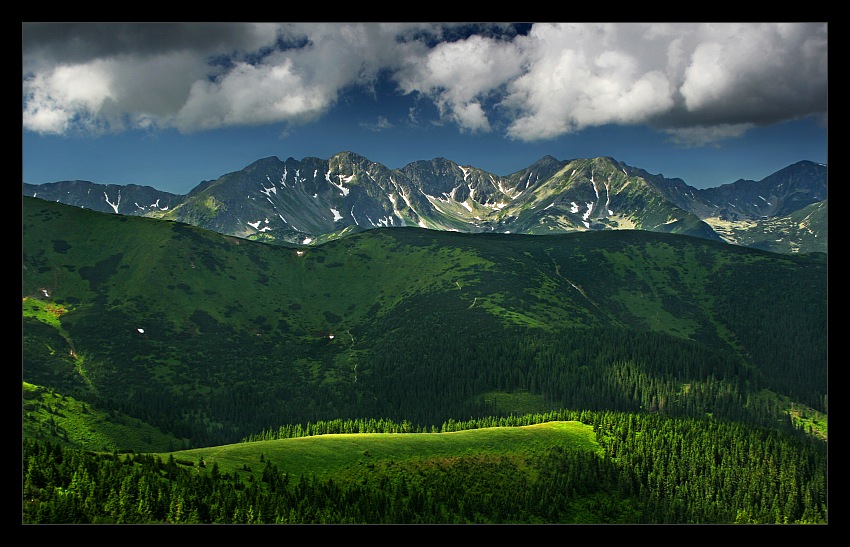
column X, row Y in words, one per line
column 130, row 199
column 314, row 200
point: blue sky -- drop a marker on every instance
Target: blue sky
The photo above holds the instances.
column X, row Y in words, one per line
column 171, row 105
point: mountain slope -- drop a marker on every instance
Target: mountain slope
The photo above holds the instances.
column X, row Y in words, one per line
column 130, row 199
column 213, row 337
column 804, row 230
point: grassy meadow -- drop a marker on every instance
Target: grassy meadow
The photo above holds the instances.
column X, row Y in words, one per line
column 350, row 457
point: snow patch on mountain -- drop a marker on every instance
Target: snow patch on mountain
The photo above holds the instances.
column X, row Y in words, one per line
column 268, row 191
column 256, row 225
column 586, row 214
column 342, row 178
column 113, row 205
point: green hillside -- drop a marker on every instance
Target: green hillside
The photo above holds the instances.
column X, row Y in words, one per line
column 211, row 338
column 52, row 416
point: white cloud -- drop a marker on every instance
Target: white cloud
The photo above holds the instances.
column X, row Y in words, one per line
column 459, row 75
column 700, row 82
column 53, row 100
column 252, row 94
column 570, row 87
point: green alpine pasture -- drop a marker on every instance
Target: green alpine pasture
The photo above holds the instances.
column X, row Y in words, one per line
column 346, row 457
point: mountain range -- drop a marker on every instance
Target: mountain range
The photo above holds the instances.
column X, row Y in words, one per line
column 314, row 200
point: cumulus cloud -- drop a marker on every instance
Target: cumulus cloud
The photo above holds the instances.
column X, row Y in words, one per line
column 581, row 75
column 459, row 75
column 54, row 99
column 699, row 82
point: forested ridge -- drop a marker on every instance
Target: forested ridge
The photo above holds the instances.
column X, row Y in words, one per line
column 653, row 469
